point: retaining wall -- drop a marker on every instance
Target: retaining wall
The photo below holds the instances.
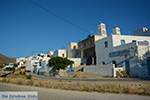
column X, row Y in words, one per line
column 103, row 70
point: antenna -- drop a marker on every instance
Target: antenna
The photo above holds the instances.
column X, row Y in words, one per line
column 65, row 48
column 33, row 53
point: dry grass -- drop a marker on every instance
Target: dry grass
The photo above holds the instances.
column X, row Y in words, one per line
column 16, row 76
column 134, row 88
column 19, row 76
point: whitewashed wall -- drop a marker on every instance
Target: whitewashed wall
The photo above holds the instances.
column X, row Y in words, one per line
column 103, row 70
column 59, row 53
column 114, row 41
column 78, row 61
column 71, row 51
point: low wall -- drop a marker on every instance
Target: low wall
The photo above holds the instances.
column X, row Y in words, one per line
column 78, row 61
column 103, row 70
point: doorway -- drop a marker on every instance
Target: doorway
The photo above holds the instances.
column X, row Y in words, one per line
column 127, row 65
column 148, row 65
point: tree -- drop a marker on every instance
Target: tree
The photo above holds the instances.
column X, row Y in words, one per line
column 59, row 63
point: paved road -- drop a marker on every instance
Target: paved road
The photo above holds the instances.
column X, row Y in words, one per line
column 101, row 79
column 56, row 94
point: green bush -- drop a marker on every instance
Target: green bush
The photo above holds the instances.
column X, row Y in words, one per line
column 20, row 72
column 29, row 76
column 9, row 69
column 23, row 73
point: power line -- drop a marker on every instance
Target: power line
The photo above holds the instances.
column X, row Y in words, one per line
column 59, row 17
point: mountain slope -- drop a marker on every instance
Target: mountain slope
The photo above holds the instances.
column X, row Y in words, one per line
column 5, row 59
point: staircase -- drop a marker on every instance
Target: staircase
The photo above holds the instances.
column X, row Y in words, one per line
column 122, row 74
column 142, row 66
column 126, row 73
column 119, row 74
column 79, row 68
column 142, row 69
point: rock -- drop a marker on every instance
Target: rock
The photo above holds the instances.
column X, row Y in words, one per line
column 140, row 91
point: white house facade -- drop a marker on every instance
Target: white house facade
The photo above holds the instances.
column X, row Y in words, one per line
column 124, row 51
column 60, row 53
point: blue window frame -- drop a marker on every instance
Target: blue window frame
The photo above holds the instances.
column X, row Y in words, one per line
column 122, row 42
column 106, row 44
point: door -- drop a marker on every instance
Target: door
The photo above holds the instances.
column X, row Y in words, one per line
column 148, row 65
column 63, row 55
column 127, row 65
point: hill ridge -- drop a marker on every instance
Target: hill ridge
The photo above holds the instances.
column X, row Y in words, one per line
column 5, row 59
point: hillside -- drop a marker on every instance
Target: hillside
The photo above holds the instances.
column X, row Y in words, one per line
column 5, row 59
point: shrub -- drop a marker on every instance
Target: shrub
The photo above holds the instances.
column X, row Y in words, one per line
column 24, row 73
column 20, row 72
column 29, row 76
column 59, row 63
column 50, row 75
column 9, row 69
column 30, row 82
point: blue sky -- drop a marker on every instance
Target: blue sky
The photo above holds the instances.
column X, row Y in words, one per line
column 25, row 29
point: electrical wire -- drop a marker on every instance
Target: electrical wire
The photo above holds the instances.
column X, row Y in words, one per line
column 59, row 16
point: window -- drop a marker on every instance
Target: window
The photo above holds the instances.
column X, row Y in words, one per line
column 90, row 53
column 36, row 62
column 79, row 45
column 133, row 40
column 84, row 44
column 91, row 42
column 122, row 42
column 74, row 47
column 103, row 26
column 85, row 53
column 106, row 44
column 40, row 64
column 103, row 32
column 103, row 63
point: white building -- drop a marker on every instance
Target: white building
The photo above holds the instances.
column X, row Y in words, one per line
column 60, row 53
column 142, row 32
column 21, row 61
column 34, row 63
column 72, row 50
column 10, row 65
column 39, row 64
column 45, row 69
column 50, row 53
column 124, row 51
column 30, row 62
